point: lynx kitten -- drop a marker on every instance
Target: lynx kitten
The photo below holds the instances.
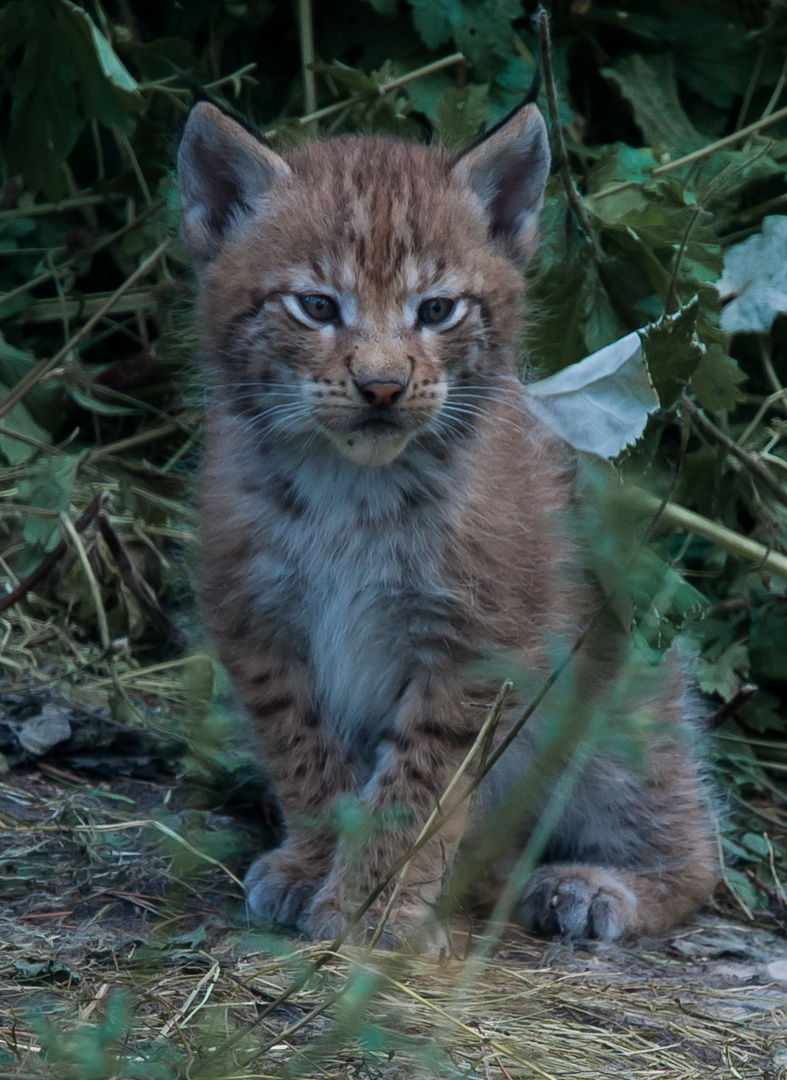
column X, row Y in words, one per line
column 378, row 506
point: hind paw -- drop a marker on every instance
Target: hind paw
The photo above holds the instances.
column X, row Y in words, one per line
column 578, row 902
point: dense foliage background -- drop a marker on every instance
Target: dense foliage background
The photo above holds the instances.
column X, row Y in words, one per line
column 673, row 117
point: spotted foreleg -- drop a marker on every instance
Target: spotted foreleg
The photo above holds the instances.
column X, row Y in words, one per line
column 308, row 767
column 433, row 735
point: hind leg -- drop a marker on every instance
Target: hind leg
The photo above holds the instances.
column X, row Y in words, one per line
column 634, row 853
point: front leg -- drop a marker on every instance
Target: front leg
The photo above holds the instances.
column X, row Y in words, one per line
column 432, row 736
column 308, row 767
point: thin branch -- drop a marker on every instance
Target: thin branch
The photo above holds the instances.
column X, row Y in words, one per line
column 673, row 284
column 53, row 557
column 541, row 19
column 741, row 547
column 697, row 155
column 77, row 202
column 749, row 461
column 306, row 34
column 385, row 88
column 43, row 368
column 132, row 580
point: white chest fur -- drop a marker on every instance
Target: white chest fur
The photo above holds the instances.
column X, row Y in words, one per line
column 354, row 579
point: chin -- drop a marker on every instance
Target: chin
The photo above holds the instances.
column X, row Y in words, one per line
column 371, row 449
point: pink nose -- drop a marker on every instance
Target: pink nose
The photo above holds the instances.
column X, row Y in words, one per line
column 383, row 392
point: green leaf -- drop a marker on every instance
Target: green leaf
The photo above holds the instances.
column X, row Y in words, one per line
column 19, row 421
column 49, row 486
column 45, row 117
column 617, row 163
column 723, row 675
column 385, row 7
column 672, row 351
column 768, row 635
column 481, row 29
column 650, row 87
column 710, row 53
column 717, row 381
column 13, row 27
column 102, row 408
column 460, row 115
column 107, row 91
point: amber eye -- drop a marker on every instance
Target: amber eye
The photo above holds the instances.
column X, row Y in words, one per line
column 320, row 308
column 435, row 310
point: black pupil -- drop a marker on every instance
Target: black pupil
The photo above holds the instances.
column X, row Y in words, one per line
column 435, row 310
column 318, row 307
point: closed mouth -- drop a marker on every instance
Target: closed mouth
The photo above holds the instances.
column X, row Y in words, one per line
column 379, row 425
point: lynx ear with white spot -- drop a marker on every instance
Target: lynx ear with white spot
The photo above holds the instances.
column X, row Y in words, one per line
column 225, row 176
column 507, row 169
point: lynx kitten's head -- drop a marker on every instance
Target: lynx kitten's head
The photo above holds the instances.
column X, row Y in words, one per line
column 362, row 290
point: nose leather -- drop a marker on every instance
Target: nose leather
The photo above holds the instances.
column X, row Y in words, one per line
column 380, row 392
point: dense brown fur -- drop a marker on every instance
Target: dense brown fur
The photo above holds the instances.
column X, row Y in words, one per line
column 378, row 505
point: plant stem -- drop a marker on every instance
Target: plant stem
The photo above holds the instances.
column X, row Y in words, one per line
column 697, row 155
column 386, row 88
column 752, row 463
column 52, row 557
column 306, row 34
column 42, row 369
column 78, row 202
column 105, row 241
column 561, row 156
column 672, row 287
column 741, row 547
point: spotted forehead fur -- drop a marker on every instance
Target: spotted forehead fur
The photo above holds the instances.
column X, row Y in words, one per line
column 377, row 217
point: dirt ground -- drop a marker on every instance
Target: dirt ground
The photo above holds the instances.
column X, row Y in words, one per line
column 125, row 951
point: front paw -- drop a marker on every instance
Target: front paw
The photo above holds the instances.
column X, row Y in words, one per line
column 409, row 926
column 578, row 902
column 279, row 887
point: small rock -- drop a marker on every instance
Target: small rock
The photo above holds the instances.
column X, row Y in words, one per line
column 41, row 733
column 777, row 969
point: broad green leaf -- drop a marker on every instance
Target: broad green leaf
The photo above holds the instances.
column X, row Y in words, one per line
column 650, row 88
column 481, row 29
column 717, row 381
column 460, row 115
column 49, row 486
column 514, row 81
column 13, row 29
column 45, row 117
column 102, row 408
column 107, row 91
column 601, row 404
column 710, row 53
column 45, row 401
column 20, row 422
column 618, row 163
column 672, row 351
column 723, row 674
column 767, row 650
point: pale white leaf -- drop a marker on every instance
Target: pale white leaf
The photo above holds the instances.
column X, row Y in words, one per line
column 600, row 404
column 754, row 281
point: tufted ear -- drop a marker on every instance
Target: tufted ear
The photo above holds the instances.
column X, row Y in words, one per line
column 225, row 177
column 507, row 169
